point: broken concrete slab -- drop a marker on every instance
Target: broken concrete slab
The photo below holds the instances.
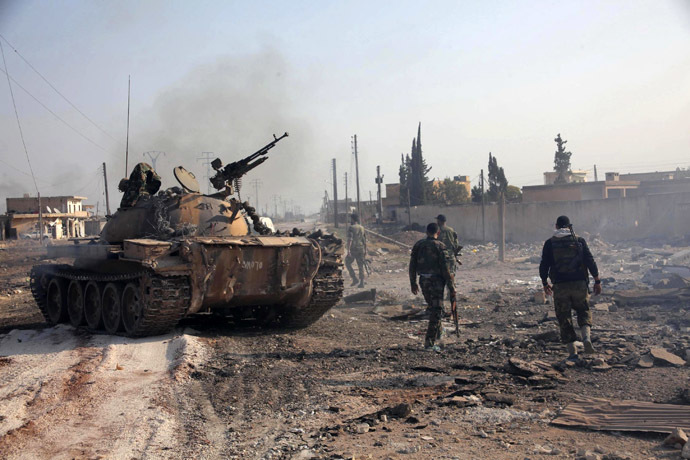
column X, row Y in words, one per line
column 662, row 356
column 640, row 297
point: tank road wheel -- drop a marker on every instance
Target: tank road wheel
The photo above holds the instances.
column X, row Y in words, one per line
column 75, row 303
column 132, row 309
column 110, row 303
column 92, row 305
column 56, row 304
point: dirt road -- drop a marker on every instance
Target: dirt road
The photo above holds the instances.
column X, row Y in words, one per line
column 357, row 384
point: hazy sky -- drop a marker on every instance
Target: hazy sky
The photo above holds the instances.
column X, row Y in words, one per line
column 613, row 77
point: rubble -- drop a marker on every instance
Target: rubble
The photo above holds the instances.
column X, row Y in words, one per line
column 677, row 438
column 664, row 357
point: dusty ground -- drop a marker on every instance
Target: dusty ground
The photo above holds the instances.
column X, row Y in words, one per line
column 213, row 390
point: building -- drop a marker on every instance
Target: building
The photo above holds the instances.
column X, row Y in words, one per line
column 615, row 185
column 63, row 217
column 578, row 191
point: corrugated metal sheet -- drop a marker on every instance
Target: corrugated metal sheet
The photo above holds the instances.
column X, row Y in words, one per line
column 602, row 414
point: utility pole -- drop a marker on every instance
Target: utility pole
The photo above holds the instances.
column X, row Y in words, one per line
column 257, row 183
column 596, row 179
column 359, row 207
column 207, row 161
column 347, row 206
column 107, row 200
column 483, row 218
column 335, row 195
column 153, row 155
column 502, row 227
column 379, row 181
column 275, row 206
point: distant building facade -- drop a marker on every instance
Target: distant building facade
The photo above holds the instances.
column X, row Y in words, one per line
column 63, row 217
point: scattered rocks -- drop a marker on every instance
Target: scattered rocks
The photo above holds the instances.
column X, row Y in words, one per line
column 362, row 428
column 646, row 361
column 677, row 437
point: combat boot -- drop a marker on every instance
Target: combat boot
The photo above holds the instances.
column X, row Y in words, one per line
column 354, row 282
column 361, row 283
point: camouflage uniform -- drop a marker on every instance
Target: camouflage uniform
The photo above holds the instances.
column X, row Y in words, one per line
column 357, row 249
column 142, row 182
column 568, row 296
column 450, row 239
column 429, row 261
column 566, row 261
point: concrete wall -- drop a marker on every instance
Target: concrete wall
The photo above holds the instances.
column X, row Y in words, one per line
column 663, row 216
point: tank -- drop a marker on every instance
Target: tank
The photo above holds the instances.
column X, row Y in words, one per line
column 169, row 254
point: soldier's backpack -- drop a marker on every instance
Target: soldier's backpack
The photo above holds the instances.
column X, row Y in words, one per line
column 567, row 256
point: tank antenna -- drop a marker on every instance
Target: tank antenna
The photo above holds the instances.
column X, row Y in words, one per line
column 129, row 88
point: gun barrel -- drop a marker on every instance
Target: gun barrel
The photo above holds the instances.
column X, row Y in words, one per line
column 226, row 175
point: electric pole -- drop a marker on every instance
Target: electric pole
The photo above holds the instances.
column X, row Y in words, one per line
column 335, row 195
column 359, row 207
column 275, row 206
column 107, row 200
column 153, row 155
column 347, row 205
column 483, row 219
column 257, row 183
column 379, row 199
column 207, row 161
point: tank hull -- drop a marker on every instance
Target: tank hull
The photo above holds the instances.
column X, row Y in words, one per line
column 290, row 280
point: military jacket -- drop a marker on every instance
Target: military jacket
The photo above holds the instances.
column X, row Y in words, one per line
column 567, row 259
column 428, row 259
column 450, row 239
column 357, row 240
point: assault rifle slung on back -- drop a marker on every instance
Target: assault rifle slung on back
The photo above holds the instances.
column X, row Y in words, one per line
column 229, row 176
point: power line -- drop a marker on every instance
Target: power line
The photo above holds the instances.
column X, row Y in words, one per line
column 53, row 113
column 57, row 91
column 19, row 125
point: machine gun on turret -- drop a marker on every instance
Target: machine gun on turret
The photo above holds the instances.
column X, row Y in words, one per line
column 228, row 178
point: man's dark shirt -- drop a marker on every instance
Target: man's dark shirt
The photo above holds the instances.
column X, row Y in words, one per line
column 548, row 262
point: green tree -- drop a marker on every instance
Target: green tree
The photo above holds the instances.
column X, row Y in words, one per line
column 418, row 181
column 497, row 180
column 476, row 194
column 561, row 161
column 513, row 194
column 404, row 175
column 450, row 192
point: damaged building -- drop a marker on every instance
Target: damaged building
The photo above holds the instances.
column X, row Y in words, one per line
column 63, row 217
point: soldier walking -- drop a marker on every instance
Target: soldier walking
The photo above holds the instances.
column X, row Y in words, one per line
column 449, row 238
column 356, row 250
column 566, row 259
column 428, row 260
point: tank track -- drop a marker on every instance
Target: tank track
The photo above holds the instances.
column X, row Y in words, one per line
column 168, row 298
column 327, row 286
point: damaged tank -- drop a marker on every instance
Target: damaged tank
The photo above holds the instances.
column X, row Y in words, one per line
column 168, row 254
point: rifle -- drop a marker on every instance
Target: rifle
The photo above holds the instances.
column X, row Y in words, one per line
column 367, row 266
column 457, row 255
column 454, row 310
column 580, row 252
column 228, row 176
